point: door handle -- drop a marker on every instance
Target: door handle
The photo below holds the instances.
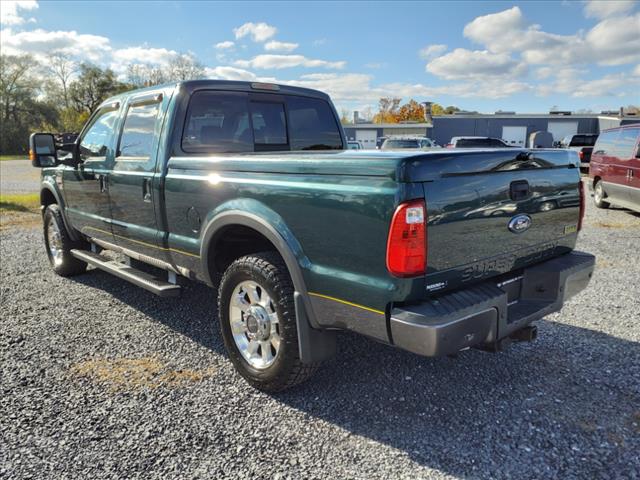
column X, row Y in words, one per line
column 102, row 179
column 146, row 190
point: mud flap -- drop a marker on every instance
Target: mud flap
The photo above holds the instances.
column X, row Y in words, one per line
column 315, row 345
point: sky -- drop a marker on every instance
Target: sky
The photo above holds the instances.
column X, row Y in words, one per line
column 484, row 56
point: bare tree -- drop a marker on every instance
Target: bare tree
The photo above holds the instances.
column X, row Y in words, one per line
column 63, row 68
column 184, row 67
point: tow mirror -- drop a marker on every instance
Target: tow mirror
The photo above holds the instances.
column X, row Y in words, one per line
column 42, row 150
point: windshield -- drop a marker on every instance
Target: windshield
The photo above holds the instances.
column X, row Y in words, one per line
column 583, row 140
column 400, row 144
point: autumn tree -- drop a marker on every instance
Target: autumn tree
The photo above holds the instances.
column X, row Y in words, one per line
column 387, row 110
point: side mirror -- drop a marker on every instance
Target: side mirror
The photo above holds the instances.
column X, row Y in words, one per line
column 42, row 150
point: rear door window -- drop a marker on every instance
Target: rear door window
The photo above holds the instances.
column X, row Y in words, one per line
column 136, row 141
column 605, row 143
column 626, row 143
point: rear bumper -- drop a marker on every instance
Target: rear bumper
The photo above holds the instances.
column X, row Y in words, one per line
column 481, row 315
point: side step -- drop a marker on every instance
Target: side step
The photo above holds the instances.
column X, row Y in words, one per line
column 133, row 275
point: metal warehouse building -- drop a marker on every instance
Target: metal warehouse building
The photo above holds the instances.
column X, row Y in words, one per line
column 512, row 127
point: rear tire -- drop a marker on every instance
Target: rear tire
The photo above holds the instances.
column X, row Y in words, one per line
column 258, row 322
column 599, row 195
column 59, row 244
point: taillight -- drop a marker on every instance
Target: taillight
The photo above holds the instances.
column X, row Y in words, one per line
column 581, row 155
column 407, row 242
column 582, row 204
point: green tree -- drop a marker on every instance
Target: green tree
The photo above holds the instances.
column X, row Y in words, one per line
column 93, row 86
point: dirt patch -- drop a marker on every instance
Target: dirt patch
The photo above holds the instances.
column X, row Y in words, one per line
column 28, row 218
column 137, row 373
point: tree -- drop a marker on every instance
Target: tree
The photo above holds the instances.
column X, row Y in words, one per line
column 410, row 112
column 387, row 110
column 345, row 117
column 21, row 110
column 93, row 86
column 63, row 69
column 184, row 67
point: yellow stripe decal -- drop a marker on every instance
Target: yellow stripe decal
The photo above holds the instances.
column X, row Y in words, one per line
column 144, row 243
column 347, row 303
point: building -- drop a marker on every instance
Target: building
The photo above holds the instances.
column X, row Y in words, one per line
column 369, row 134
column 514, row 128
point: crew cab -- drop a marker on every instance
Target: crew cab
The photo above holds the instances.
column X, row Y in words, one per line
column 583, row 144
column 249, row 188
column 614, row 174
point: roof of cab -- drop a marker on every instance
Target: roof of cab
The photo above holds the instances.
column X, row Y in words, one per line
column 230, row 85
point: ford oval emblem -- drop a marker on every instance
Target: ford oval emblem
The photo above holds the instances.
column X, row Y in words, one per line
column 520, row 223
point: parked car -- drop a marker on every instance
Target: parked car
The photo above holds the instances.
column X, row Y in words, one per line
column 401, row 143
column 476, row 142
column 583, row 144
column 354, row 145
column 614, row 172
column 211, row 181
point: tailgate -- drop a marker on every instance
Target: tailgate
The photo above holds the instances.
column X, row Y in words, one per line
column 495, row 212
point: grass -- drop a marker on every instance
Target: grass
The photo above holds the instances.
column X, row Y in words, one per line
column 19, row 202
column 19, row 210
column 13, row 157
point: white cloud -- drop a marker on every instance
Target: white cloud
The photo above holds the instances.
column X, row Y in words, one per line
column 604, row 9
column 612, row 41
column 274, row 45
column 224, row 45
column 10, row 11
column 42, row 43
column 229, row 73
column 259, row 32
column 572, row 81
column 431, row 51
column 268, row 61
column 145, row 55
column 636, row 71
column 463, row 63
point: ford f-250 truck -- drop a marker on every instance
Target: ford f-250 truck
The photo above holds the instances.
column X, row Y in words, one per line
column 248, row 188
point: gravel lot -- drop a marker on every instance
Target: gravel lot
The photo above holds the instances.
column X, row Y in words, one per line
column 101, row 379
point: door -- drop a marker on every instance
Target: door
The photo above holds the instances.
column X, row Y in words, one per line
column 367, row 138
column 133, row 186
column 515, row 136
column 85, row 186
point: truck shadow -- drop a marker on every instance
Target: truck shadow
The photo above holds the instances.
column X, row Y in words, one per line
column 566, row 405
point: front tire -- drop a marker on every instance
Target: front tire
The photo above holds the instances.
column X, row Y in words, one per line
column 258, row 322
column 599, row 195
column 59, row 244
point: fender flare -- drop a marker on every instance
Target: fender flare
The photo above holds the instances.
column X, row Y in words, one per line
column 63, row 210
column 315, row 345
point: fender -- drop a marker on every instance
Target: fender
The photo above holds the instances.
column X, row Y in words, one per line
column 315, row 345
column 53, row 189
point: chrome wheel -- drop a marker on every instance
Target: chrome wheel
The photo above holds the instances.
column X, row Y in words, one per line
column 598, row 193
column 255, row 324
column 54, row 242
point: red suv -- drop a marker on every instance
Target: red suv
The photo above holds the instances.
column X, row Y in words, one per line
column 615, row 168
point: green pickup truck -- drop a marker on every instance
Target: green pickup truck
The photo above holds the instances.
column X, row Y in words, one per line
column 249, row 188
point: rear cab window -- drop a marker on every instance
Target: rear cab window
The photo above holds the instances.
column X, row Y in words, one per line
column 233, row 122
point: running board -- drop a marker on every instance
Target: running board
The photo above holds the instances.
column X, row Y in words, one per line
column 133, row 275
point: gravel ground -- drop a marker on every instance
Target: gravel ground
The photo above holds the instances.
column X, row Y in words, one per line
column 103, row 380
column 18, row 176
